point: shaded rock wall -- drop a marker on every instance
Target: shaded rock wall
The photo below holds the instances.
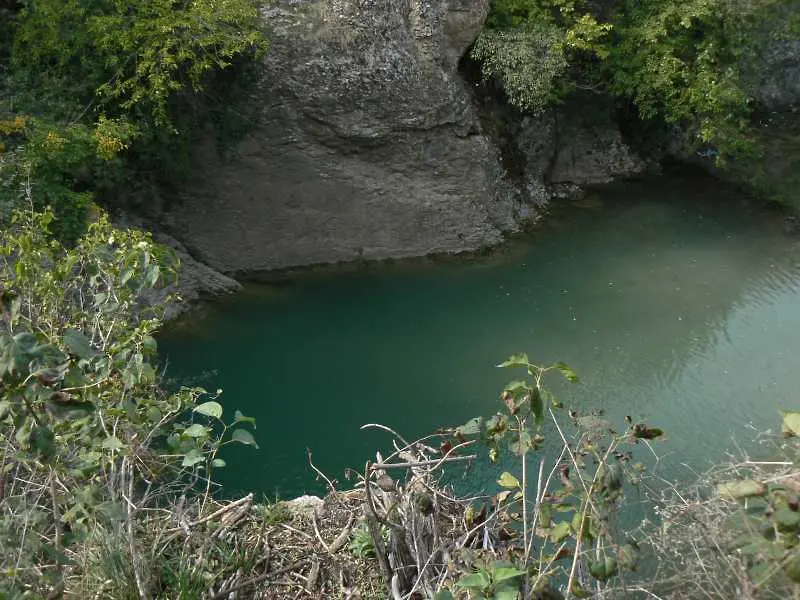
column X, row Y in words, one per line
column 366, row 144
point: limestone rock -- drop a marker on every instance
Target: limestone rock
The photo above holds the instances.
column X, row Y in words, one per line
column 366, row 144
column 306, row 506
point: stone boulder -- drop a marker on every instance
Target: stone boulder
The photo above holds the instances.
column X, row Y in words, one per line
column 366, row 144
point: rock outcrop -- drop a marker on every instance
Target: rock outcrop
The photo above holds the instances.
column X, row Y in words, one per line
column 366, row 144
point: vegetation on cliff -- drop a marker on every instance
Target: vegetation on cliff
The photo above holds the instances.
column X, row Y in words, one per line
column 686, row 63
column 98, row 100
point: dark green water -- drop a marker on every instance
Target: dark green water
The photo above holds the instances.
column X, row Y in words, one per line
column 673, row 300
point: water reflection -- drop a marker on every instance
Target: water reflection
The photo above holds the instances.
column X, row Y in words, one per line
column 673, row 300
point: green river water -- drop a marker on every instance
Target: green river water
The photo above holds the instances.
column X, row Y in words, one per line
column 674, row 300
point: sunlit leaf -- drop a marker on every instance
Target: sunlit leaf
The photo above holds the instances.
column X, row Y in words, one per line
column 196, row 431
column 507, row 480
column 745, row 488
column 516, row 360
column 791, row 424
column 559, row 532
column 568, row 373
column 112, row 443
column 477, row 581
column 504, row 573
column 210, row 409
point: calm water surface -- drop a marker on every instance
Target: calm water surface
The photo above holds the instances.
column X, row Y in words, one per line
column 674, row 301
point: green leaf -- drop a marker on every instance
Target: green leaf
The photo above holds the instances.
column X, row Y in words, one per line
column 507, row 480
column 504, row 573
column 522, row 444
column 791, row 424
column 244, row 437
column 745, row 488
column 78, row 344
column 516, row 387
column 537, row 406
column 5, row 408
column 476, row 581
column 112, row 443
column 443, row 595
column 25, row 341
column 238, row 417
column 559, row 532
column 787, row 520
column 471, row 427
column 568, row 373
column 210, row 409
column 515, row 360
column 193, row 457
column 603, row 569
column 149, row 344
column 505, row 593
column 218, row 462
column 196, row 431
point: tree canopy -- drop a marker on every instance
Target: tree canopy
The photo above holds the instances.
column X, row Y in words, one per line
column 681, row 61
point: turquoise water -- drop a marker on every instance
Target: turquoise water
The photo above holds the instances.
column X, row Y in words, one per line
column 675, row 302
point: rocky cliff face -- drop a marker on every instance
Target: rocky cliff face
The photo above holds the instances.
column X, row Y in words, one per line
column 366, row 145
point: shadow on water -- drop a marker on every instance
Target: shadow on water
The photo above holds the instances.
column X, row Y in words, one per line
column 674, row 300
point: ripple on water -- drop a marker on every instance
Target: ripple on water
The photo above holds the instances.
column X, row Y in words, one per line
column 674, row 302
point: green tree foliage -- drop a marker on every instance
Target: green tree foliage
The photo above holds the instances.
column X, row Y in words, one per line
column 87, row 86
column 680, row 61
column 530, row 45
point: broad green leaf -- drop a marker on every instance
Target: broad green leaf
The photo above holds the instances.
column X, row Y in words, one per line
column 507, row 480
column 244, row 437
column 559, row 531
column 443, row 595
column 603, row 569
column 745, row 488
column 516, row 360
column 477, row 581
column 568, row 373
column 112, row 443
column 504, row 573
column 193, row 457
column 196, row 431
column 78, row 344
column 505, row 593
column 787, row 520
column 210, row 409
column 5, row 408
column 791, row 424
column 218, row 462
column 517, row 386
